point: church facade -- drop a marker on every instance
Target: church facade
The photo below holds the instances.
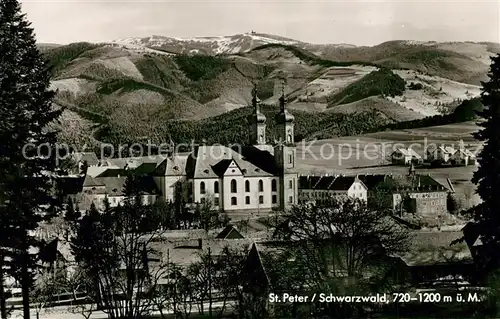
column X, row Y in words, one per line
column 251, row 177
column 254, row 176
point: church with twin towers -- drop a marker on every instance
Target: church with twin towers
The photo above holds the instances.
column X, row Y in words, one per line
column 258, row 176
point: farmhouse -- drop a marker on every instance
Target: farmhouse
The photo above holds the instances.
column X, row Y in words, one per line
column 463, row 157
column 441, row 154
column 244, row 178
column 451, row 155
column 405, row 156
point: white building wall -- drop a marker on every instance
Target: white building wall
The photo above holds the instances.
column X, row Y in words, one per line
column 210, row 193
column 170, row 182
column 227, row 194
column 357, row 190
column 114, row 201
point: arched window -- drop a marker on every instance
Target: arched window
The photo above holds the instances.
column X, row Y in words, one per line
column 216, row 187
column 233, row 186
column 289, row 138
column 274, row 188
column 247, row 186
column 261, row 185
column 202, row 188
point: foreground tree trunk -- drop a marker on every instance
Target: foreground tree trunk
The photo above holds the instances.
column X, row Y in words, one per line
column 25, row 280
column 3, row 301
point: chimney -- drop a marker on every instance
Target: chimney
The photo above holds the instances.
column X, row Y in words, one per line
column 200, row 243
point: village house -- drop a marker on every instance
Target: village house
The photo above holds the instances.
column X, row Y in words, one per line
column 463, row 157
column 405, row 156
column 440, row 154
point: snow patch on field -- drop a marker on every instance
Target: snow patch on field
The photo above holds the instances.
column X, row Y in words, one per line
column 122, row 64
column 72, row 85
column 330, row 82
column 476, row 51
column 138, row 49
column 437, row 92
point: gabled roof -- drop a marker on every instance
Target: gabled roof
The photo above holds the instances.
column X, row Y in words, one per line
column 327, row 182
column 324, row 182
column 408, row 152
column 145, row 168
column 172, row 166
column 185, row 255
column 372, row 181
column 254, row 274
column 445, row 149
column 466, row 152
column 89, row 181
column 134, row 162
column 252, row 161
column 308, row 182
column 221, row 167
column 115, row 185
column 70, row 185
column 342, row 183
column 114, row 172
column 89, row 157
column 229, row 232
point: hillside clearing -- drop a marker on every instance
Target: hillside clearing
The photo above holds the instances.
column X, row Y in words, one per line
column 74, row 86
column 435, row 95
column 391, row 110
column 123, row 65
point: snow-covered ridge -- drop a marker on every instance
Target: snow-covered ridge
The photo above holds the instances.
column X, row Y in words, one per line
column 218, row 44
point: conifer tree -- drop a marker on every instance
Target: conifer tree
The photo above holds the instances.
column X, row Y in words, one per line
column 487, row 177
column 25, row 110
column 71, row 213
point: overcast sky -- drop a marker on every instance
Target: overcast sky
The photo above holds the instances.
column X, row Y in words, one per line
column 355, row 22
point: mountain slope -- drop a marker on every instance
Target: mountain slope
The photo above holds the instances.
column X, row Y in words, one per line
column 134, row 88
column 460, row 61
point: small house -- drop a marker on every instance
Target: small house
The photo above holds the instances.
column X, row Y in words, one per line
column 405, row 156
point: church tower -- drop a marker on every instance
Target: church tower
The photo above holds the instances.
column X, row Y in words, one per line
column 285, row 155
column 257, row 122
